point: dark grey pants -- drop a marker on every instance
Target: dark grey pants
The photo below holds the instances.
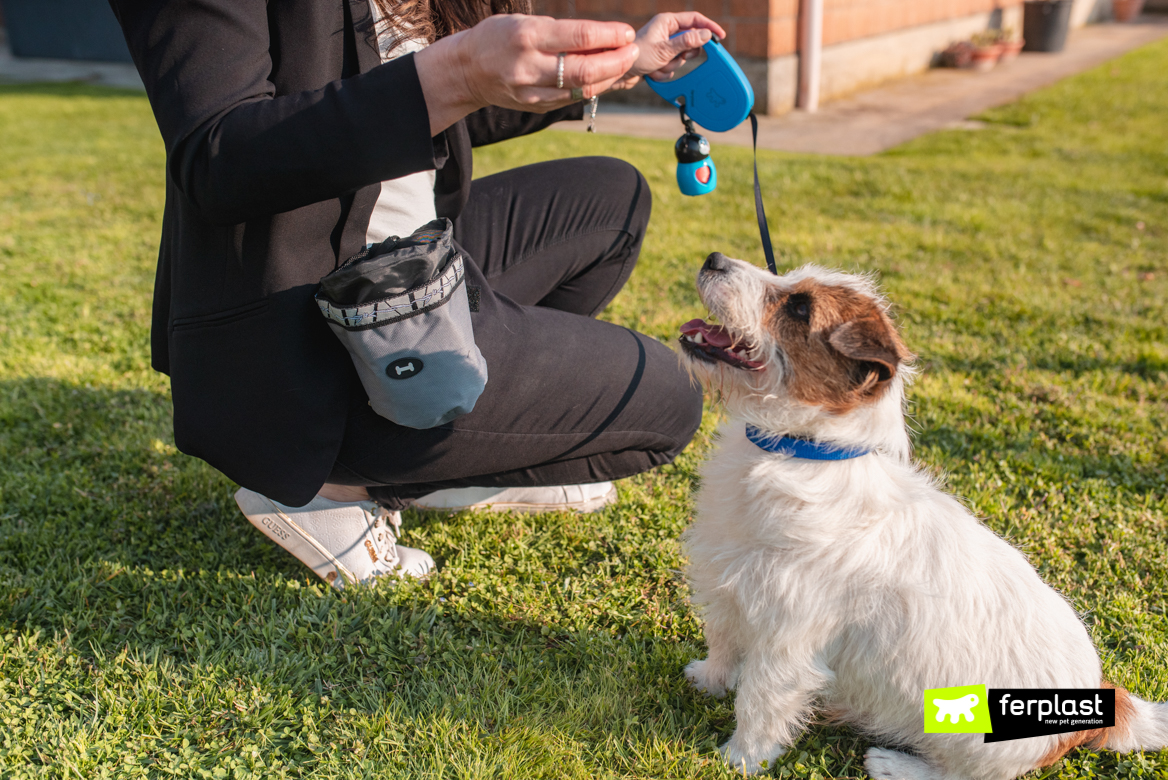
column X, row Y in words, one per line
column 569, row 399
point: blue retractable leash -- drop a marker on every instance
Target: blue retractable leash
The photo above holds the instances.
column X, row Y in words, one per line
column 717, row 96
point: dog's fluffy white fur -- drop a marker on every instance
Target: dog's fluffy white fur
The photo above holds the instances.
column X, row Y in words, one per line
column 851, row 586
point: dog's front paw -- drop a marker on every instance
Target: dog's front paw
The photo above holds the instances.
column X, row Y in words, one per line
column 704, row 676
column 882, row 764
column 746, row 761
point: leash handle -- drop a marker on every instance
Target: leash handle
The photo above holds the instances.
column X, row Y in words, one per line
column 764, row 232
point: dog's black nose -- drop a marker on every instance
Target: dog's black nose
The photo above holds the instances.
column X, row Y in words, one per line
column 716, row 262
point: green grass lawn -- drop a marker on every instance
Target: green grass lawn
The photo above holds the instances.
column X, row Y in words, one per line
column 147, row 630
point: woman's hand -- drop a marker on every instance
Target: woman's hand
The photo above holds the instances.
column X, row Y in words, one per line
column 511, row 61
column 660, row 55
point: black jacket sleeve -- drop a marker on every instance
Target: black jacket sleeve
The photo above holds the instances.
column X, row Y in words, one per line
column 493, row 124
column 239, row 151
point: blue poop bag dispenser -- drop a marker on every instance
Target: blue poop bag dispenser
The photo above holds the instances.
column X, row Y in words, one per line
column 715, row 95
column 696, row 174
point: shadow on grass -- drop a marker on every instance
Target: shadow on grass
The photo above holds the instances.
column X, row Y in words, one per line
column 136, row 559
column 68, row 89
column 88, row 474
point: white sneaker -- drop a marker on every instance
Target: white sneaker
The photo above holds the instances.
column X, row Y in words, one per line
column 341, row 542
column 581, row 498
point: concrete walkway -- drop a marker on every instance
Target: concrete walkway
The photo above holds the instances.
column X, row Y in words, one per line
column 878, row 119
column 866, row 123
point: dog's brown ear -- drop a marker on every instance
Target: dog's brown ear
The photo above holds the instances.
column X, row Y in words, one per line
column 873, row 341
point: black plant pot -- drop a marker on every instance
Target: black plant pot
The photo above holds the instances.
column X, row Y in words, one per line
column 1045, row 24
column 65, row 29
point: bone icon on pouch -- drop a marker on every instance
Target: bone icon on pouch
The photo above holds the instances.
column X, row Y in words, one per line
column 956, row 708
column 408, row 368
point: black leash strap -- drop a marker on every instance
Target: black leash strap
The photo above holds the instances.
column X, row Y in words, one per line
column 763, row 231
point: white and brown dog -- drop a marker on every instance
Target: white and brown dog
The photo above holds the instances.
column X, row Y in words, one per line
column 850, row 582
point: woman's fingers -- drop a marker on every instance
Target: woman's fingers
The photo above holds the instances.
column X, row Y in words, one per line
column 541, row 99
column 686, row 42
column 605, row 67
column 669, row 70
column 576, row 35
column 512, row 61
column 692, row 20
column 594, row 52
column 660, row 51
column 666, row 73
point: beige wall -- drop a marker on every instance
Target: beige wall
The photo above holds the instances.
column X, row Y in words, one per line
column 856, row 64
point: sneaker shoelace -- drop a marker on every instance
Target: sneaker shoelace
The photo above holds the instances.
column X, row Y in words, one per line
column 386, row 528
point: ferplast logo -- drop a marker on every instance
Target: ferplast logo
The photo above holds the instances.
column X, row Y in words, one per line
column 960, row 710
column 1019, row 713
column 1004, row 714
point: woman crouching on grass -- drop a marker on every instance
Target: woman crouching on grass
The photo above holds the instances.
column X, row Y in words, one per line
column 299, row 132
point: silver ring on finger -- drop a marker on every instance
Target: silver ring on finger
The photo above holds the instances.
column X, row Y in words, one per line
column 577, row 93
column 560, row 70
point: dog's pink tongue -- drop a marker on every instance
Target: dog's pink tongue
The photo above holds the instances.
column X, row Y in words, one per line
column 714, row 335
column 717, row 336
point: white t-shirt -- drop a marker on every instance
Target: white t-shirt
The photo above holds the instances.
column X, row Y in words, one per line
column 404, row 204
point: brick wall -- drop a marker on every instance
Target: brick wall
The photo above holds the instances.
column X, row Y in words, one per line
column 747, row 22
column 769, row 28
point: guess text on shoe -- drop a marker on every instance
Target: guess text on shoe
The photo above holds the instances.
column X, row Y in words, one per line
column 276, row 528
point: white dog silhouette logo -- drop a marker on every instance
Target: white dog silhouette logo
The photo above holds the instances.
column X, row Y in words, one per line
column 956, row 708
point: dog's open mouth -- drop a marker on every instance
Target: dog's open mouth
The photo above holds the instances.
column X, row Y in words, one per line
column 707, row 341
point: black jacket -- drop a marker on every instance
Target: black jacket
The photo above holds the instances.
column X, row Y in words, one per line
column 279, row 123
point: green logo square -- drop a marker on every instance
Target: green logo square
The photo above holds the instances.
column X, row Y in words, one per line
column 960, row 710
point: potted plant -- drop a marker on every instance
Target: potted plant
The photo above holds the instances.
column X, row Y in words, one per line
column 1045, row 24
column 1011, row 44
column 1126, row 10
column 986, row 49
column 958, row 55
column 64, row 29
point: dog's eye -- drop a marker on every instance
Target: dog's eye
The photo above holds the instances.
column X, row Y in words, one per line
column 799, row 306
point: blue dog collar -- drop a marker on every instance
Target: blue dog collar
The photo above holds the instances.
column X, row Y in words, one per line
column 800, row 448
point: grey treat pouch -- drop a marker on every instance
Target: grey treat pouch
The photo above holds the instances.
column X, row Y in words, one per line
column 401, row 310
